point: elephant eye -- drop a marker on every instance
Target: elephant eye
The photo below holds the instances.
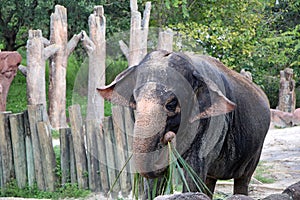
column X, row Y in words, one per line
column 171, row 106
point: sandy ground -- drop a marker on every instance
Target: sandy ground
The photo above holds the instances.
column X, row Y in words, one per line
column 281, row 158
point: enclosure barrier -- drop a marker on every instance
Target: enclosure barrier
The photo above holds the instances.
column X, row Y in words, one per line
column 27, row 153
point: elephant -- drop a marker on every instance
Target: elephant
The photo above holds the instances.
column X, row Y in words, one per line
column 216, row 118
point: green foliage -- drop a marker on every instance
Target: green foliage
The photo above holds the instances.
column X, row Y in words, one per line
column 168, row 185
column 68, row 190
column 251, row 35
column 17, row 17
column 16, row 98
column 224, row 29
column 62, row 191
column 55, row 134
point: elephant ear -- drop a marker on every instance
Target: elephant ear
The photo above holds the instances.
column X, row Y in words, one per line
column 120, row 91
column 212, row 101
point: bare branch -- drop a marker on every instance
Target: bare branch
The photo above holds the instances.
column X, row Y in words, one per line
column 146, row 16
column 87, row 43
column 23, row 70
column 73, row 43
column 133, row 5
column 50, row 50
column 45, row 41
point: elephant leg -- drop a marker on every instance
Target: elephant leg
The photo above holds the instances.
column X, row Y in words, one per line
column 241, row 185
column 211, row 184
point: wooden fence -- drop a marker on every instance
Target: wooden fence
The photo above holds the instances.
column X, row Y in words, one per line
column 27, row 153
column 94, row 149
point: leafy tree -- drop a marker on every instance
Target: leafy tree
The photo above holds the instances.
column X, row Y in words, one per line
column 17, row 17
column 224, row 29
column 166, row 12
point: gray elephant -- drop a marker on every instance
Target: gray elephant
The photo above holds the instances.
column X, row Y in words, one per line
column 216, row 119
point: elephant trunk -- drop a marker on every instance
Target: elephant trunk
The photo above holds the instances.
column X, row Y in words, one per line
column 150, row 154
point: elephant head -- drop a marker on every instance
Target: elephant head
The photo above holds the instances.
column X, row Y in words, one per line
column 169, row 96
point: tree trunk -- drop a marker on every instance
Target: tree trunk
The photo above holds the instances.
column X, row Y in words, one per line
column 97, row 24
column 58, row 66
column 58, row 69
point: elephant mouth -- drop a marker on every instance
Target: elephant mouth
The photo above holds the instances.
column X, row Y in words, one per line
column 154, row 164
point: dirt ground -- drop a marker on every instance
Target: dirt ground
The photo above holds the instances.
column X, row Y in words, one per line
column 280, row 159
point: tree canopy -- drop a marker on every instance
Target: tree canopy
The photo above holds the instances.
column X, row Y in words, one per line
column 17, row 17
column 261, row 36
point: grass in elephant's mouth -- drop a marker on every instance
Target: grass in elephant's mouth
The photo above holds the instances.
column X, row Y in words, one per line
column 173, row 177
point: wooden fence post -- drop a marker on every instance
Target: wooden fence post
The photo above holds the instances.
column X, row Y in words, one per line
column 138, row 33
column 37, row 55
column 109, row 142
column 79, row 146
column 58, row 66
column 165, row 40
column 92, row 155
column 102, row 161
column 35, row 115
column 65, row 160
column 19, row 151
column 6, row 157
column 95, row 46
column 120, row 147
column 47, row 153
column 29, row 151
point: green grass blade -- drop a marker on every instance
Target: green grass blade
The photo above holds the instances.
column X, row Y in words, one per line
column 117, row 178
column 196, row 179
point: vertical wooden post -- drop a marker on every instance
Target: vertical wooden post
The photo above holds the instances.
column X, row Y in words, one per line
column 6, row 156
column 58, row 66
column 287, row 95
column 79, row 146
column 64, row 155
column 35, row 115
column 18, row 144
column 36, row 62
column 138, row 33
column 67, row 159
column 29, row 151
column 120, row 146
column 95, row 46
column 73, row 173
column 165, row 40
column 129, row 125
column 109, row 149
column 102, row 161
column 92, row 155
column 47, row 153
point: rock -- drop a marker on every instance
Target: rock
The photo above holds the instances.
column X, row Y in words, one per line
column 293, row 191
column 9, row 62
column 277, row 197
column 239, row 197
column 296, row 117
column 184, row 196
column 281, row 119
